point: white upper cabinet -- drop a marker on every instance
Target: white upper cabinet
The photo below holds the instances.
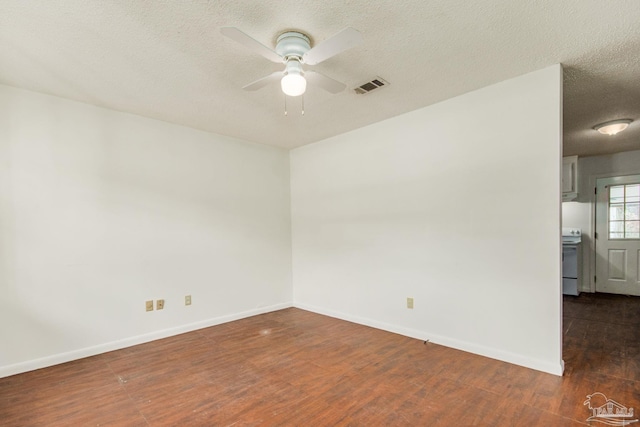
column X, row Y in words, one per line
column 569, row 178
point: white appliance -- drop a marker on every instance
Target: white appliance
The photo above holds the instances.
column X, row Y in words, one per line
column 571, row 260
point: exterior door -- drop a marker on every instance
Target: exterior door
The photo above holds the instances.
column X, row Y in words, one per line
column 618, row 235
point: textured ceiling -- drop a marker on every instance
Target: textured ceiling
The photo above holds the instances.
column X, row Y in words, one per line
column 167, row 60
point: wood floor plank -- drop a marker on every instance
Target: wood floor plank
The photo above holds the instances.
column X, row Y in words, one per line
column 294, row 367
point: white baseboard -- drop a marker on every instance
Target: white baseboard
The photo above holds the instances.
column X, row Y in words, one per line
column 516, row 359
column 57, row 359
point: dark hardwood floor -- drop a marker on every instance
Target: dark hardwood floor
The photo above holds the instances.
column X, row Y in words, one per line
column 293, row 367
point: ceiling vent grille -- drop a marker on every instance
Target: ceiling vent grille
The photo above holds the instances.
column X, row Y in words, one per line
column 372, row 85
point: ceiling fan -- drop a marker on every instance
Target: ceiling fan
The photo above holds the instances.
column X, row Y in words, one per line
column 294, row 49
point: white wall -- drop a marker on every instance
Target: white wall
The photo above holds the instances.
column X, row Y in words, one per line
column 456, row 205
column 100, row 211
column 579, row 214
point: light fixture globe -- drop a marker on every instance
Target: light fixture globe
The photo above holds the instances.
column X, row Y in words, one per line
column 613, row 127
column 293, row 83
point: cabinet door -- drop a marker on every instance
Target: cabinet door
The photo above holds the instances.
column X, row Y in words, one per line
column 569, row 165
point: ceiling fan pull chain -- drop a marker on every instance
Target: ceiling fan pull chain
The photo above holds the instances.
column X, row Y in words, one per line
column 303, row 104
column 285, row 105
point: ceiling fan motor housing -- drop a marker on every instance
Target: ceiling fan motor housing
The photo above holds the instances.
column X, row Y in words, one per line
column 292, row 45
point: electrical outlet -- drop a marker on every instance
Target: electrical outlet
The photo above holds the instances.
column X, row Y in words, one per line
column 159, row 304
column 149, row 305
column 187, row 300
column 409, row 302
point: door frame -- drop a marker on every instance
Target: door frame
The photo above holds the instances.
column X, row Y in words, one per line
column 592, row 221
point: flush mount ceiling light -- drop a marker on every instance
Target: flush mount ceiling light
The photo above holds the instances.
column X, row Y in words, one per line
column 613, row 127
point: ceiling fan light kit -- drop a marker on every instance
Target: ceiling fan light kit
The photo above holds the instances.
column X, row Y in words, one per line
column 293, row 82
column 613, row 127
column 294, row 49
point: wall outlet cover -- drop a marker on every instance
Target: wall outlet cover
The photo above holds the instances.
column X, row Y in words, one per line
column 149, row 305
column 159, row 304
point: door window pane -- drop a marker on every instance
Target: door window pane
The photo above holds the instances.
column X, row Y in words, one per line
column 616, row 226
column 624, row 211
column 616, row 212
column 632, row 212
column 632, row 193
column 631, row 229
column 616, row 194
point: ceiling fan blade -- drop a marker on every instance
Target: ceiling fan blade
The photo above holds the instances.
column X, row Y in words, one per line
column 260, row 83
column 344, row 40
column 326, row 83
column 244, row 39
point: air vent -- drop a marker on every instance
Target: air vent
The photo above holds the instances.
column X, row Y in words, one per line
column 372, row 85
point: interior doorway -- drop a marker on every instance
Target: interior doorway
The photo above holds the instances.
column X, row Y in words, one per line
column 617, row 243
